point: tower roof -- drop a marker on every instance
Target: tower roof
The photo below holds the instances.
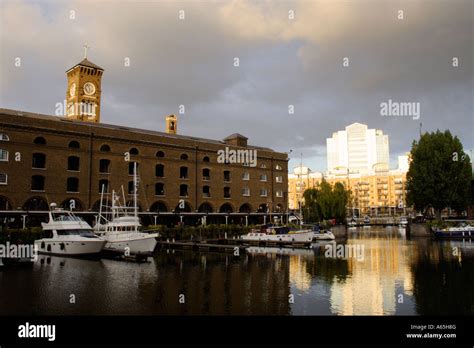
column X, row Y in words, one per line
column 86, row 63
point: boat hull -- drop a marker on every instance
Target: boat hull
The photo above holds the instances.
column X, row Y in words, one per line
column 298, row 237
column 324, row 236
column 466, row 234
column 70, row 247
column 141, row 244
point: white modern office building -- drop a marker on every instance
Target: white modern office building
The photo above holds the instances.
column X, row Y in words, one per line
column 357, row 149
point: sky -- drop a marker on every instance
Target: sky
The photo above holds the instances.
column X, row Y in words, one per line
column 331, row 62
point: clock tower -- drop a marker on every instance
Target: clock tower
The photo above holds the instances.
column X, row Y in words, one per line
column 83, row 91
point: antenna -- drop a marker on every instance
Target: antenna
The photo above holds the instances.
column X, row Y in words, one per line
column 85, row 50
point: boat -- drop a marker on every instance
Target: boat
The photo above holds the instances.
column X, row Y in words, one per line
column 271, row 233
column 322, row 235
column 122, row 230
column 68, row 235
column 403, row 221
column 352, row 223
column 463, row 231
column 366, row 220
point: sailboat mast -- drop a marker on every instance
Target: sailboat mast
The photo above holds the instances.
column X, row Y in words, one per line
column 135, row 188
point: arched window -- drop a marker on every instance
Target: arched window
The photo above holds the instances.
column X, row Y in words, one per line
column 183, row 172
column 183, row 190
column 4, row 137
column 159, row 207
column 159, row 189
column 160, row 154
column 37, row 183
column 206, row 174
column 74, row 145
column 39, row 161
column 133, row 151
column 205, row 208
column 159, row 170
column 39, row 141
column 72, row 185
column 206, row 191
column 104, row 166
column 226, row 208
column 105, row 148
column 36, row 203
column 73, row 163
column 104, row 186
column 205, row 159
column 184, row 157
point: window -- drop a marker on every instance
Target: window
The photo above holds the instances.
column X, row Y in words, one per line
column 72, row 185
column 246, row 191
column 159, row 189
column 3, row 155
column 131, row 168
column 160, row 154
column 74, row 145
column 226, row 175
column 205, row 159
column 183, row 190
column 39, row 161
column 278, row 167
column 263, row 177
column 39, row 141
column 226, row 192
column 4, row 137
column 133, row 151
column 206, row 191
column 103, row 186
column 183, row 172
column 279, row 179
column 184, row 157
column 263, row 166
column 263, row 193
column 104, row 166
column 105, row 148
column 159, row 170
column 279, row 193
column 37, row 183
column 206, row 174
column 245, row 176
column 3, row 179
column 131, row 187
column 73, row 163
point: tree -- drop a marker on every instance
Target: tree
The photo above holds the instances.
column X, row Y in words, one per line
column 325, row 202
column 440, row 173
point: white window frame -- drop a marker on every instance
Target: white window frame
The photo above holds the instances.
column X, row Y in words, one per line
column 264, row 194
column 278, row 167
column 279, row 194
column 246, row 176
column 2, row 151
column 4, row 137
column 247, row 190
column 263, row 177
column 279, row 179
column 4, row 175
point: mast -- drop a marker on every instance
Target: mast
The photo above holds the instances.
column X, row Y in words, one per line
column 101, row 202
column 135, row 189
column 301, row 190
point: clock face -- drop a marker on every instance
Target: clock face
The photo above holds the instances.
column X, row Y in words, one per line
column 89, row 88
column 72, row 90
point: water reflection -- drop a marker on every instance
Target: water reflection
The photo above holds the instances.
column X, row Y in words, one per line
column 395, row 276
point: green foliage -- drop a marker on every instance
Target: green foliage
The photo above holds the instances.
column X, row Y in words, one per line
column 325, row 202
column 440, row 173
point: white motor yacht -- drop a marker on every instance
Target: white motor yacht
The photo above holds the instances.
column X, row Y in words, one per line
column 122, row 230
column 67, row 234
column 270, row 233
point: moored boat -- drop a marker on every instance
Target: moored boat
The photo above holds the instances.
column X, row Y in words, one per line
column 462, row 231
column 67, row 234
column 322, row 235
column 270, row 233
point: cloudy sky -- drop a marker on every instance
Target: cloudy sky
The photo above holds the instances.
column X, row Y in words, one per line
column 289, row 52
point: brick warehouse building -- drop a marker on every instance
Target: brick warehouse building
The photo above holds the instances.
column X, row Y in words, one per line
column 45, row 159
